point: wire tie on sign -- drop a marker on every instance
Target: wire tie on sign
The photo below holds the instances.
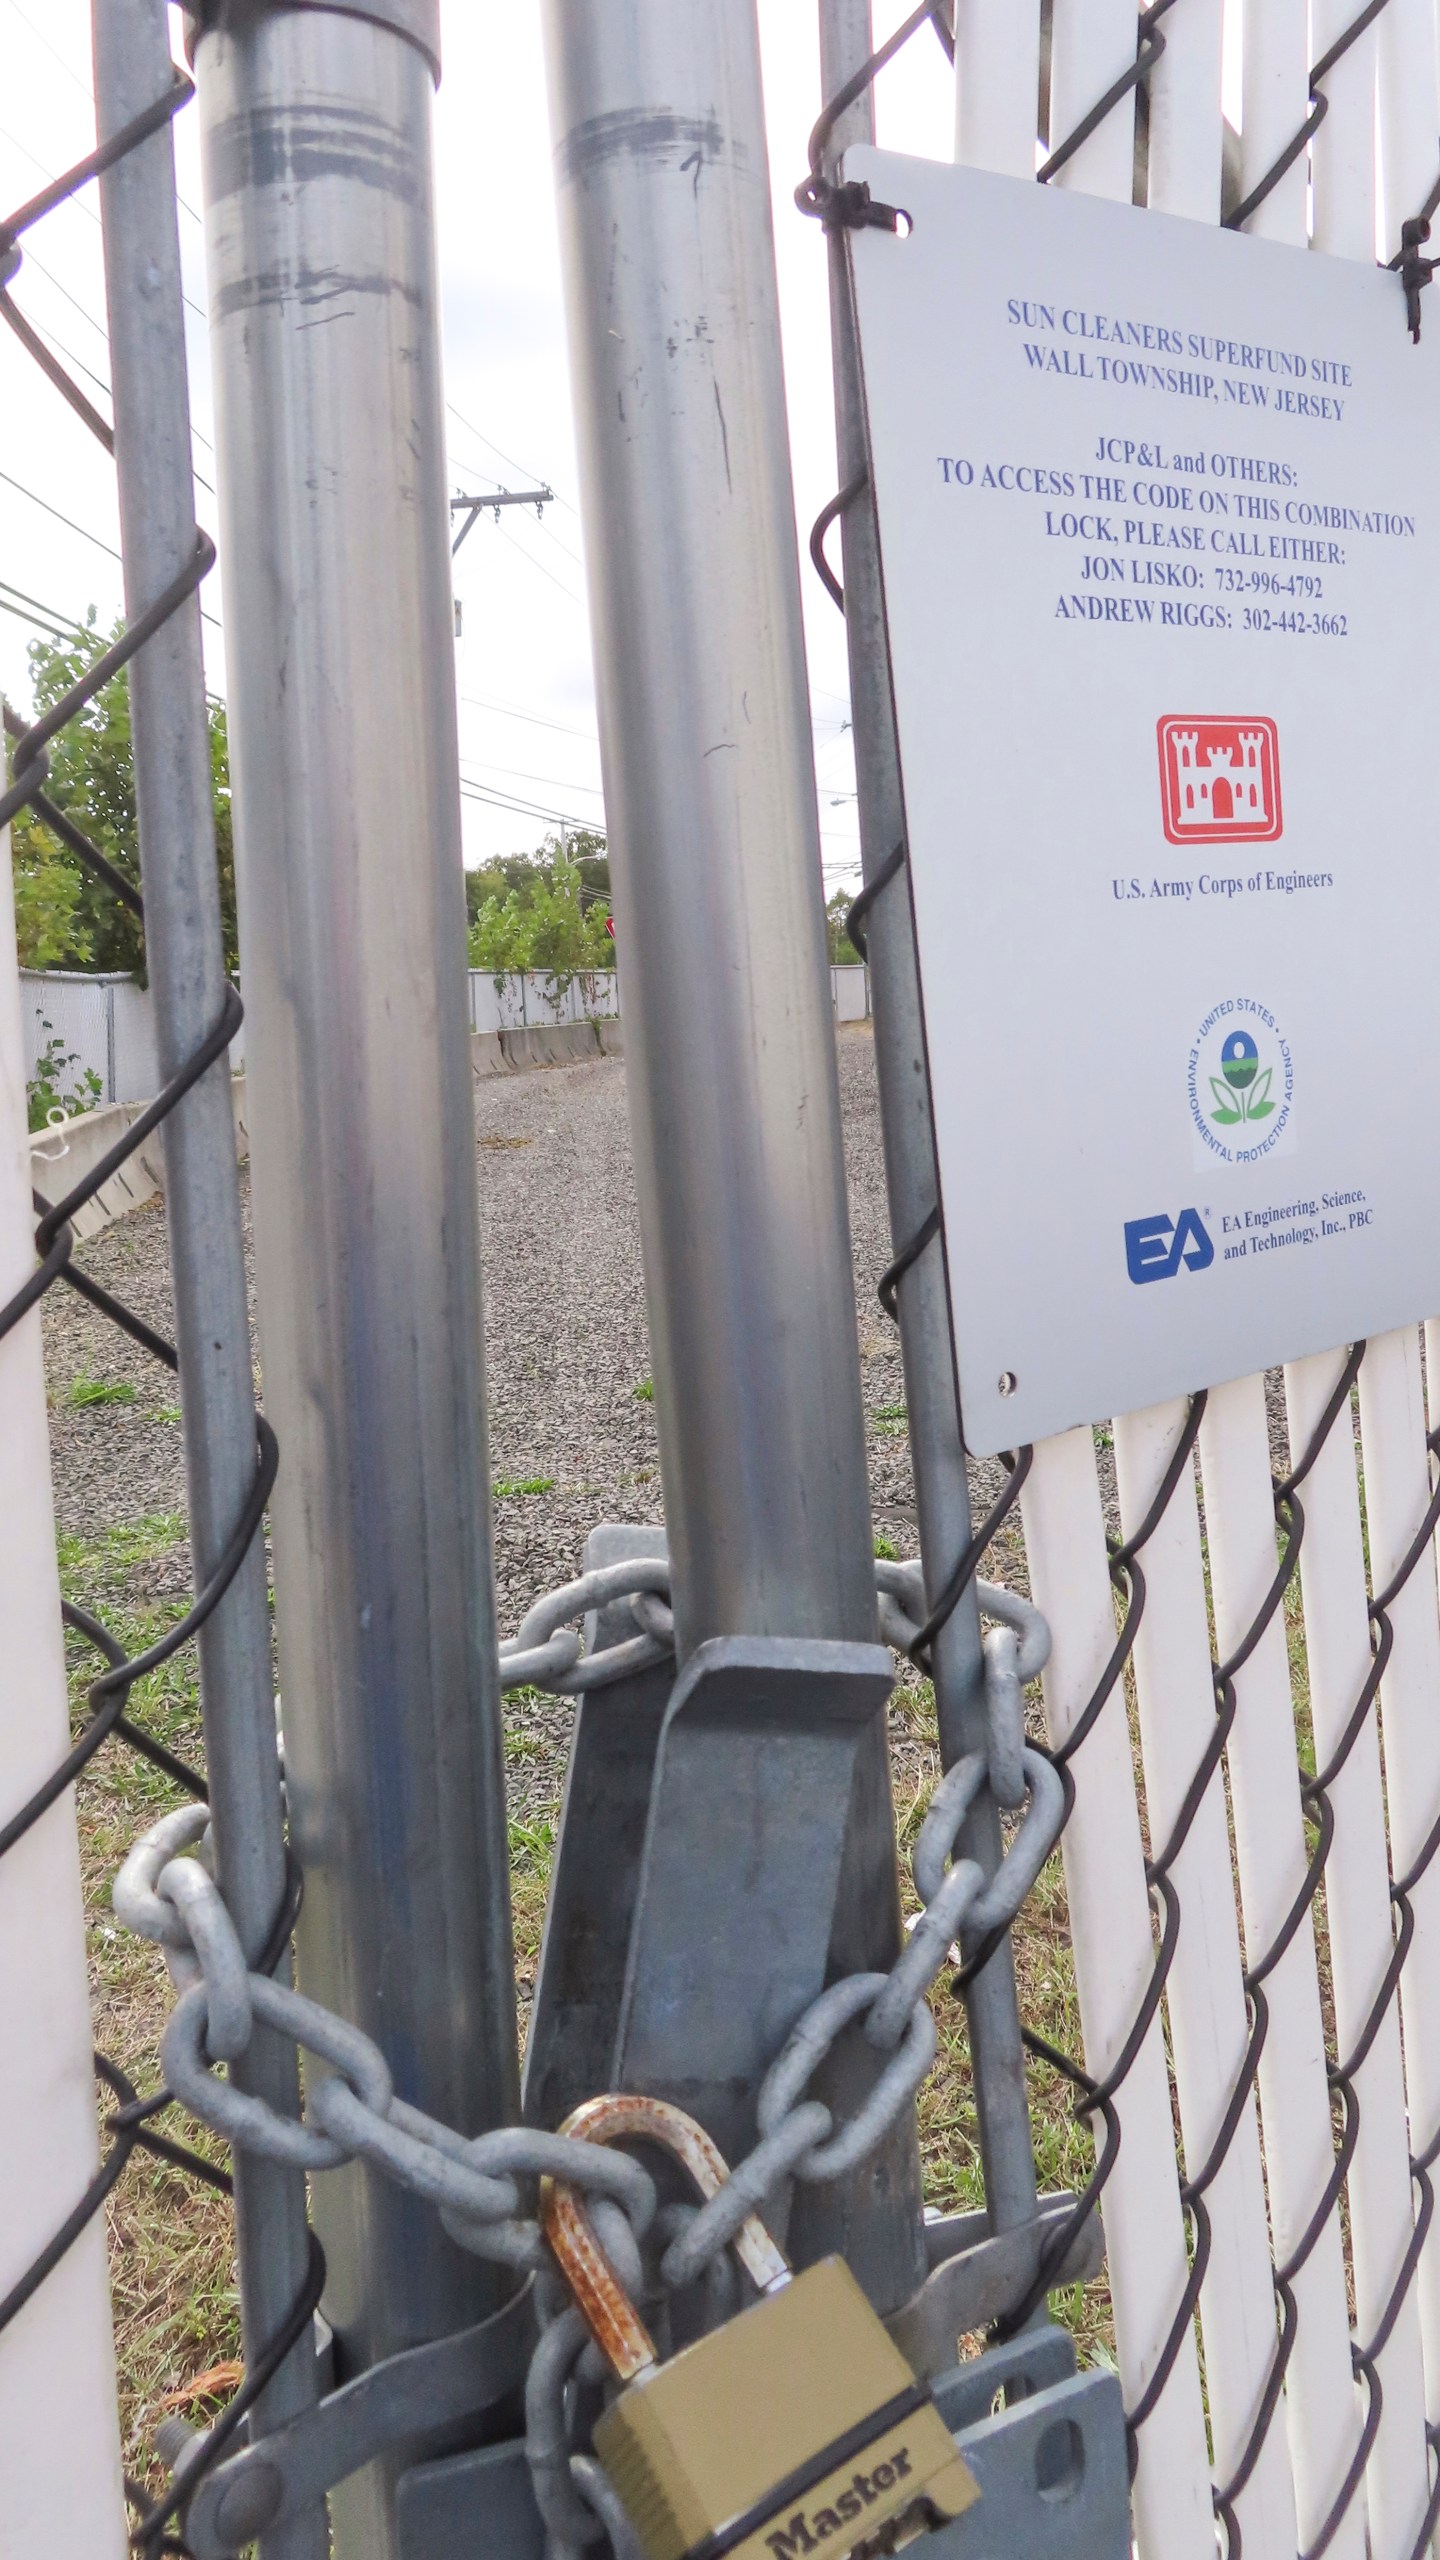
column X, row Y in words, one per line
column 1414, row 271
column 851, row 207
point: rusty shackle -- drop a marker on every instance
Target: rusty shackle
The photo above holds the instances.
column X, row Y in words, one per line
column 613, row 2319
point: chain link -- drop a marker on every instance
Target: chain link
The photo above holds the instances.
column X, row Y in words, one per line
column 165, row 1891
column 171, row 1898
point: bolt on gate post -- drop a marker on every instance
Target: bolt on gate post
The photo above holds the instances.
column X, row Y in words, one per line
column 668, row 249
column 336, row 566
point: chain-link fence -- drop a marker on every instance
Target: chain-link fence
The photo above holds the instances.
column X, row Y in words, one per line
column 1252, row 1932
column 1250, row 1927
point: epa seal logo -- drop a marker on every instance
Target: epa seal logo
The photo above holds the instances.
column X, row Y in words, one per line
column 1241, row 1085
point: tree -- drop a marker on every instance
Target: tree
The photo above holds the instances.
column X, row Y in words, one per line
column 65, row 917
column 544, row 911
column 843, row 953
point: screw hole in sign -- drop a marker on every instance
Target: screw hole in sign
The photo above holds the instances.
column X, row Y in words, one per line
column 1007, row 1382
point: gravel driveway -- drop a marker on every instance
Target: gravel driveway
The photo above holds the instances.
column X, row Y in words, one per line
column 566, row 1341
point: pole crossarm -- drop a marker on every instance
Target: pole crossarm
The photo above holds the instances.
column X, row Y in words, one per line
column 495, row 499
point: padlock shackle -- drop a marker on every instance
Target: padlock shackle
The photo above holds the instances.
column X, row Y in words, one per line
column 629, row 2116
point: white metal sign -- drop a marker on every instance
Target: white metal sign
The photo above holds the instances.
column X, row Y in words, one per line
column 1160, row 539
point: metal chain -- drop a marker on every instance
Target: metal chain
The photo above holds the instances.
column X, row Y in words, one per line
column 476, row 2183
column 173, row 1899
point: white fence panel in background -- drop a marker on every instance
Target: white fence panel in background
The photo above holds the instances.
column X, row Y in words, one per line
column 511, row 1000
column 100, row 1026
column 69, row 1023
column 103, row 1024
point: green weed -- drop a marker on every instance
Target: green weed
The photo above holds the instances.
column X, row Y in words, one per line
column 84, row 1391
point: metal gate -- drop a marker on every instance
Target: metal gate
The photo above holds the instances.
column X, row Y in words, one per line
column 1242, row 1695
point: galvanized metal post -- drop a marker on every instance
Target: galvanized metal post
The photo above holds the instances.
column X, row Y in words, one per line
column 705, row 738
column 187, row 974
column 336, row 567
column 937, row 1450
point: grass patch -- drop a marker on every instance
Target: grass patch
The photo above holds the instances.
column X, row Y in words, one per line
column 506, row 1487
column 645, row 1392
column 886, row 1549
column 891, row 1420
column 171, row 2243
column 86, row 1391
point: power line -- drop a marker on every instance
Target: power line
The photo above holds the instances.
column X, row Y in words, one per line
column 540, row 565
column 79, row 200
column 73, row 75
column 35, row 620
column 552, row 536
column 78, row 629
column 517, row 773
column 82, row 530
column 102, row 385
column 529, row 808
column 507, row 712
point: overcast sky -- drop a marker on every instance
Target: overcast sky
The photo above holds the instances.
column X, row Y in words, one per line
column 524, row 680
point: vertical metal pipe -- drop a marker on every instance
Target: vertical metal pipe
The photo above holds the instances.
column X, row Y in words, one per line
column 705, row 740
column 336, row 567
column 730, row 1056
column 185, row 953
column 942, row 1493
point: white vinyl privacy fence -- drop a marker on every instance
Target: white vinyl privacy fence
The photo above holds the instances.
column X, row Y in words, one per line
column 100, row 1025
column 517, row 1000
column 514, row 1001
column 89, row 1026
column 1244, row 1689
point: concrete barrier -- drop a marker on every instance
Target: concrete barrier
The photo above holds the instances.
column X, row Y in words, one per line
column 59, row 1158
column 558, row 1044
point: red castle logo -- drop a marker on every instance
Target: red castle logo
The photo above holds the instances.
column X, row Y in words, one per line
column 1219, row 780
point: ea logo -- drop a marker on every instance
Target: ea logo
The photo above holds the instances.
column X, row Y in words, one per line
column 1155, row 1248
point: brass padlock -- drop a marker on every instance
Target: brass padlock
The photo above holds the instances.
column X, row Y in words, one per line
column 797, row 2425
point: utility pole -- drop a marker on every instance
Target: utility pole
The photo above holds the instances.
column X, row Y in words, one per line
column 336, row 565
